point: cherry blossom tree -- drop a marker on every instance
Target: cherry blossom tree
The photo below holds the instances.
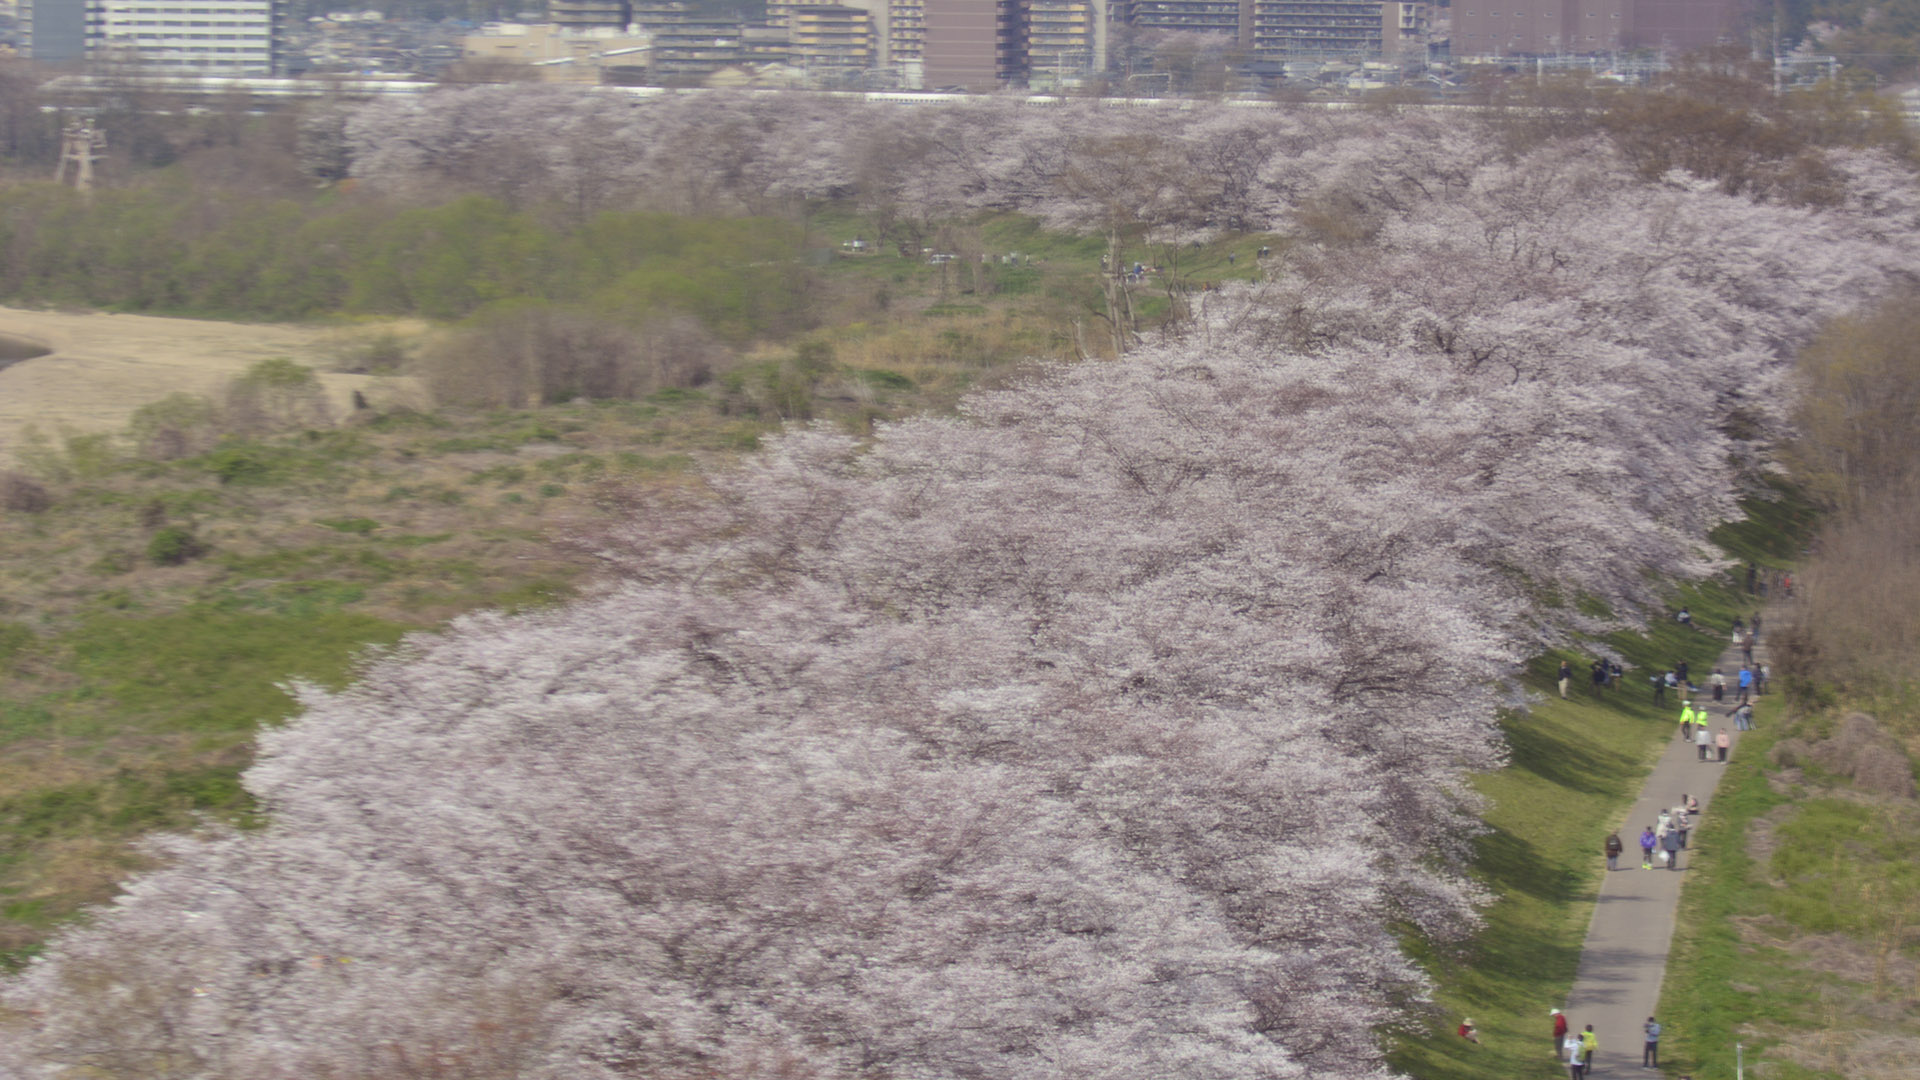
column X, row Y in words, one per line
column 1110, row 728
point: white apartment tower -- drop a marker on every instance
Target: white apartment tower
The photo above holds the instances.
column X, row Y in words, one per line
column 178, row 37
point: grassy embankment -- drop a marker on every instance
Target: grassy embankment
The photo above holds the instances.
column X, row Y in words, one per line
column 151, row 612
column 1576, row 767
column 1799, row 938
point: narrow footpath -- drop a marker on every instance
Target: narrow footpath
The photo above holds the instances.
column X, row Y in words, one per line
column 1625, row 956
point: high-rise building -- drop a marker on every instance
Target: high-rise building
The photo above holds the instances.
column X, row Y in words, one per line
column 831, row 39
column 612, row 15
column 1319, row 28
column 213, row 37
column 1066, row 39
column 1405, row 29
column 1230, row 18
column 1549, row 27
column 907, row 41
column 979, row 45
column 54, row 30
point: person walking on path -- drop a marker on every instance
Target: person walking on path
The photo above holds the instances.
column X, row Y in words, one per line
column 1614, row 848
column 1718, row 680
column 1671, row 844
column 1647, row 841
column 1746, row 681
column 1687, row 718
column 1650, row 1057
column 1680, row 822
column 1559, row 1035
column 1742, row 716
column 1589, row 1046
column 1724, row 743
column 1702, row 739
column 1576, row 1068
column 1566, row 678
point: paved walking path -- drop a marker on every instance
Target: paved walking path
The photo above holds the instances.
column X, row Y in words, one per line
column 1625, row 956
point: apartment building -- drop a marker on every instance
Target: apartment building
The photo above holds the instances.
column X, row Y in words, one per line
column 1230, row 18
column 1319, row 28
column 1550, row 27
column 1066, row 40
column 53, row 30
column 906, row 34
column 590, row 15
column 830, row 39
column 212, row 37
column 980, row 45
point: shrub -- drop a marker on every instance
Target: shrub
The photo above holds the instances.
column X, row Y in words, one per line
column 174, row 545
column 526, row 354
column 112, row 564
column 276, row 395
column 176, row 426
column 23, row 495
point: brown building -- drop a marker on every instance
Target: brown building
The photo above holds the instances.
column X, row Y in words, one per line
column 980, row 45
column 1549, row 27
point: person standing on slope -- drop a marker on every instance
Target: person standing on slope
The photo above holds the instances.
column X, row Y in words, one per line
column 1566, row 678
column 1559, row 1035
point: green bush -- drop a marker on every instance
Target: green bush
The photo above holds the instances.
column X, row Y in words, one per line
column 112, row 564
column 358, row 526
column 174, row 545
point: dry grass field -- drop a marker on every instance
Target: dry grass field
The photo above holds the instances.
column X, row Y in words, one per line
column 104, row 366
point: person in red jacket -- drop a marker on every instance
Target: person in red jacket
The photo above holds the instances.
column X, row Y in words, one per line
column 1559, row 1035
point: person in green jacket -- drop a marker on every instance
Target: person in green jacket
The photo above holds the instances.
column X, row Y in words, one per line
column 1688, row 718
column 1589, row 1045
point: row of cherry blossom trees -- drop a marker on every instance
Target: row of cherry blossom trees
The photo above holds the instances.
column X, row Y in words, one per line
column 1195, row 167
column 1112, row 728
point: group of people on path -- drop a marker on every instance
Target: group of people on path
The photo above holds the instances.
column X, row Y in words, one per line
column 1576, row 1049
column 1661, row 842
column 1750, row 682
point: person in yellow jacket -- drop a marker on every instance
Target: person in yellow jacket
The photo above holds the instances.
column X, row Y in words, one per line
column 1589, row 1045
column 1688, row 718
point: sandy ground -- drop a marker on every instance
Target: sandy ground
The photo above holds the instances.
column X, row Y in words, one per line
column 103, row 366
